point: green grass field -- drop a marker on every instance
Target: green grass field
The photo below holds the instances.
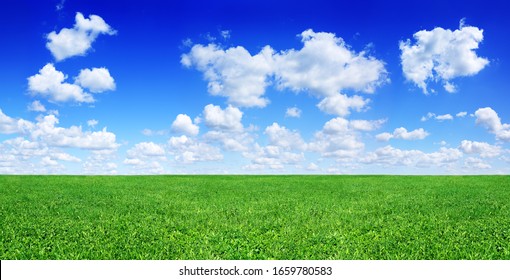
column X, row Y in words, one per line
column 255, row 217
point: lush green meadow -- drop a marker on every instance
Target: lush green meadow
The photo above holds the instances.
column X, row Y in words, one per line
column 254, row 217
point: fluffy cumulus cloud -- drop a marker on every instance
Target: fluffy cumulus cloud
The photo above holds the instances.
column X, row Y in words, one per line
column 36, row 106
column 365, row 125
column 51, row 84
column 476, row 163
column 402, row 133
column 389, row 155
column 272, row 157
column 8, row 125
column 485, row 150
column 96, row 80
column 40, row 147
column 225, row 127
column 100, row 162
column 47, row 131
column 184, row 124
column 69, row 42
column 324, row 66
column 145, row 157
column 233, row 73
column 223, row 119
column 236, row 141
column 442, row 54
column 284, row 138
column 341, row 104
column 488, row 118
column 341, row 125
column 22, row 156
column 188, row 150
column 293, row 112
column 337, row 139
column 146, row 149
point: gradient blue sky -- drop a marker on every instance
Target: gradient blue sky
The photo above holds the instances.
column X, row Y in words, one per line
column 254, row 87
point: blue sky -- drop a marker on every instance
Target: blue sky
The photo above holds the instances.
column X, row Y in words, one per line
column 258, row 87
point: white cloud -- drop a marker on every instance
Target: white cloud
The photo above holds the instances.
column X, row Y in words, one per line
column 449, row 87
column 46, row 131
column 384, row 137
column 92, row 123
column 488, row 118
column 364, row 125
column 293, row 112
column 312, row 167
column 8, row 125
column 402, row 133
column 440, row 118
column 389, row 155
column 36, row 106
column 476, row 163
column 461, row 114
column 484, row 149
column 145, row 167
column 96, row 80
column 150, row 132
column 417, row 134
column 336, row 125
column 284, row 138
column 133, row 161
column 43, row 142
column 427, row 117
column 228, row 119
column 341, row 104
column 233, row 73
column 442, row 55
column 49, row 161
column 337, row 139
column 444, row 117
column 145, row 150
column 21, row 156
column 64, row 157
column 79, row 39
column 145, row 156
column 238, row 141
column 100, row 163
column 226, row 128
column 188, row 150
column 326, row 65
column 50, row 83
column 272, row 157
column 23, row 148
column 341, row 125
column 183, row 124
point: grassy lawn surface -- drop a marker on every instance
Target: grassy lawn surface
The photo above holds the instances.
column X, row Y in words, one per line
column 254, row 217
